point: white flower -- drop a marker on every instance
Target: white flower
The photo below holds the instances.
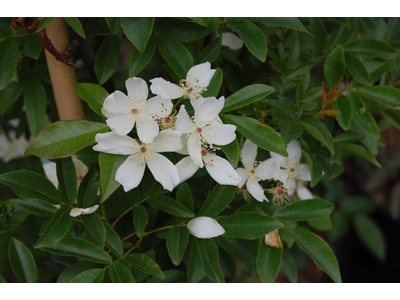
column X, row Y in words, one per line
column 13, row 148
column 205, row 228
column 204, row 129
column 50, row 170
column 253, row 172
column 292, row 169
column 83, row 211
column 302, row 191
column 123, row 112
column 231, row 40
column 130, row 173
column 197, row 80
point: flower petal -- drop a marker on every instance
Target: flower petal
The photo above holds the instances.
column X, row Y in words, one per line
column 164, row 171
column 248, row 154
column 184, row 150
column 50, row 170
column 232, row 41
column 159, row 107
column 167, row 141
column 90, row 210
column 208, row 110
column 282, row 175
column 303, row 193
column 222, row 171
column 242, row 173
column 161, row 87
column 220, row 134
column 200, row 75
column 137, row 89
column 196, row 102
column 290, row 185
column 302, row 172
column 112, row 143
column 147, row 129
column 294, row 150
column 183, row 122
column 75, row 212
column 122, row 124
column 281, row 159
column 267, row 169
column 186, row 168
column 194, row 148
column 130, row 173
column 117, row 103
column 255, row 190
column 205, row 228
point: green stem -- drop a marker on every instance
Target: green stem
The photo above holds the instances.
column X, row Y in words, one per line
column 177, row 102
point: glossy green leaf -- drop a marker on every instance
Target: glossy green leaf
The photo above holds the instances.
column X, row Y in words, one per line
column 252, row 36
column 348, row 137
column 300, row 70
column 119, row 273
column 317, row 249
column 177, row 241
column 11, row 216
column 232, row 152
column 386, row 95
column 208, row 251
column 290, row 131
column 324, row 224
column 172, row 276
column 74, row 270
column 291, row 23
column 36, row 207
column 10, row 95
column 79, row 248
column 335, row 66
column 195, row 268
column 357, row 204
column 217, row 201
column 282, row 107
column 32, row 46
column 377, row 67
column 2, row 280
column 89, row 276
column 319, row 131
column 31, row 185
column 66, row 176
column 114, row 24
column 57, row 228
column 109, row 164
column 95, row 226
column 170, row 206
column 215, row 84
column 305, row 210
column 209, row 22
column 248, row 225
column 8, row 61
column 184, row 196
column 211, row 52
column 145, row 264
column 22, row 261
column 93, row 94
column 357, row 69
column 289, row 267
column 180, row 29
column 113, row 242
column 370, row 48
column 44, row 21
column 317, row 171
column 268, row 262
column 65, row 138
column 360, row 151
column 260, row 134
column 311, row 95
column 107, row 59
column 35, row 101
column 140, row 60
column 76, row 25
column 88, row 189
column 138, row 30
column 320, row 33
column 343, row 104
column 140, row 217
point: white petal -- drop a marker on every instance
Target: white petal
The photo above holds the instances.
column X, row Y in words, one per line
column 122, row 124
column 281, row 159
column 57, row 206
column 248, row 154
column 290, row 185
column 282, row 175
column 267, row 169
column 161, row 87
column 130, row 173
column 194, row 148
column 167, row 141
column 208, row 110
column 114, row 144
column 183, row 122
column 231, row 40
column 117, row 103
column 137, row 89
column 196, row 102
column 220, row 134
column 242, row 173
column 109, row 114
column 200, row 75
column 50, row 170
column 304, row 193
column 205, row 228
column 164, row 171
column 294, row 150
column 75, row 212
column 186, row 168
column 80, row 168
column 90, row 210
column 184, row 150
column 222, row 171
column 255, row 189
column 159, row 107
column 147, row 129
column 303, row 172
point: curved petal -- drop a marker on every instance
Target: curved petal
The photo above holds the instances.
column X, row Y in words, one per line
column 122, row 124
column 50, row 170
column 205, row 228
column 267, row 169
column 248, row 154
column 294, row 150
column 200, row 75
column 167, row 141
column 184, row 150
column 147, row 129
column 81, row 170
column 282, row 176
column 220, row 134
column 90, row 210
column 114, row 144
column 222, row 171
column 108, row 114
column 130, row 173
column 208, row 110
column 183, row 122
column 186, row 168
column 242, row 173
column 164, row 171
column 158, row 107
column 75, row 212
column 232, row 41
column 117, row 103
column 194, row 148
column 196, row 102
column 137, row 89
column 304, row 193
column 281, row 159
column 255, row 190
column 290, row 185
column 161, row 87
column 302, row 172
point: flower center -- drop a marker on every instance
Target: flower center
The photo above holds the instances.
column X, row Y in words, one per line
column 134, row 111
column 203, row 152
column 279, row 192
column 253, row 172
column 80, row 177
column 143, row 149
column 199, row 129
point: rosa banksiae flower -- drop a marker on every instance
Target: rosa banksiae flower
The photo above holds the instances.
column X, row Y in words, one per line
column 131, row 172
column 83, row 211
column 12, row 148
column 302, row 191
column 123, row 112
column 292, row 169
column 252, row 172
column 232, row 41
column 205, row 228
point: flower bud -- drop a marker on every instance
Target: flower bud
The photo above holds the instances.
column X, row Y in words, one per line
column 205, row 228
column 83, row 211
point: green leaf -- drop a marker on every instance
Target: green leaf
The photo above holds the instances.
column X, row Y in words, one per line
column 44, row 21
column 305, row 210
column 377, row 67
column 290, row 131
column 208, row 251
column 248, row 225
column 360, row 151
column 282, row 107
column 138, row 31
column 65, row 138
column 66, row 176
column 74, row 270
column 320, row 33
column 386, row 95
column 113, row 242
column 343, row 104
column 335, row 66
column 195, row 267
column 35, row 101
column 184, row 196
column 232, row 152
column 93, row 94
column 170, row 206
column 57, row 228
column 268, row 262
column 79, row 248
column 217, row 201
column 95, row 226
column 260, row 134
column 36, row 207
column 348, row 137
column 31, row 185
column 211, row 52
column 301, row 69
column 357, row 204
column 139, row 60
column 177, row 241
column 324, row 224
column 88, row 189
column 175, row 54
column 22, row 261
column 11, row 216
column 119, row 273
column 180, row 29
column 173, row 276
column 291, row 23
column 32, row 46
column 107, row 59
column 311, row 95
column 8, row 61
column 140, row 217
column 215, row 84
column 114, row 24
column 10, row 95
column 145, row 264
column 252, row 36
column 76, row 25
column 317, row 249
column 357, row 69
column 370, row 48
column 289, row 267
column 207, row 22
column 319, row 131
column 109, row 164
column 89, row 276
column 2, row 280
